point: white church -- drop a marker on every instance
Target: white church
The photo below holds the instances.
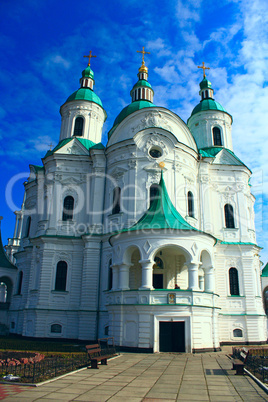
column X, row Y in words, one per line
column 149, row 239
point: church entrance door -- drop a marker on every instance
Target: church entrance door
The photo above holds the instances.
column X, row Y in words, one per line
column 171, row 336
column 158, row 282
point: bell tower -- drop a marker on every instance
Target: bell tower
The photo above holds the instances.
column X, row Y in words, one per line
column 83, row 114
column 209, row 122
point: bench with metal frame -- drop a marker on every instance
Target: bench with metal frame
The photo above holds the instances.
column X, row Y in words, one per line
column 239, row 364
column 95, row 356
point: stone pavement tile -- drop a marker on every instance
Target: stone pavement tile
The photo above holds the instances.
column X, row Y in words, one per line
column 163, row 395
column 129, row 399
column 193, row 386
column 74, row 390
column 13, row 399
column 124, row 393
column 185, row 397
column 222, row 391
column 193, row 391
column 114, row 382
column 165, row 388
column 110, row 388
column 30, row 394
column 167, row 381
column 157, row 400
column 58, row 396
column 91, row 398
column 225, row 398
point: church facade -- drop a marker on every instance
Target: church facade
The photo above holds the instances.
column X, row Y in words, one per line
column 149, row 239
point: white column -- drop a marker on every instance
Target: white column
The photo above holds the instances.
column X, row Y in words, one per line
column 124, row 277
column 147, row 274
column 193, row 276
column 209, row 279
column 115, row 269
column 201, row 282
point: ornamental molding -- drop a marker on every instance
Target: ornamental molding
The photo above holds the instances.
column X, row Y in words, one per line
column 118, row 173
column 152, row 119
column 63, row 256
column 132, row 164
column 177, row 166
column 30, row 203
column 70, row 181
column 233, row 263
column 152, row 178
column 155, row 140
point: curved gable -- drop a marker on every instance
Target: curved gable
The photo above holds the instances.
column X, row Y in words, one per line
column 152, row 118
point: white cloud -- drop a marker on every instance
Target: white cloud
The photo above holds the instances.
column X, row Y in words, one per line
column 188, row 12
column 58, row 60
column 168, row 73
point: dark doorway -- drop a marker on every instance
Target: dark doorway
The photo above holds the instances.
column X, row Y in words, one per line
column 158, row 281
column 172, row 336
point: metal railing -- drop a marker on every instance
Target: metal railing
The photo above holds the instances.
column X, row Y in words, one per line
column 48, row 368
column 256, row 363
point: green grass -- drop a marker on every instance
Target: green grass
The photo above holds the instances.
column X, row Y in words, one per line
column 7, row 343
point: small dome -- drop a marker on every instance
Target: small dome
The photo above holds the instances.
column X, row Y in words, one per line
column 205, row 84
column 143, row 69
column 208, row 104
column 85, row 94
column 88, row 73
column 133, row 107
column 142, row 83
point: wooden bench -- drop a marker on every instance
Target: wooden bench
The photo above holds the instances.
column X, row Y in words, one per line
column 238, row 364
column 95, row 356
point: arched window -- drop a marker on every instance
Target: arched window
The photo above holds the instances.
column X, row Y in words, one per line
column 68, row 208
column 3, row 292
column 20, row 277
column 61, row 276
column 190, row 199
column 56, row 328
column 110, row 276
column 216, row 136
column 154, row 192
column 158, row 263
column 237, row 333
column 233, row 281
column 116, row 200
column 265, row 297
column 229, row 216
column 78, row 126
column 206, row 92
column 28, row 226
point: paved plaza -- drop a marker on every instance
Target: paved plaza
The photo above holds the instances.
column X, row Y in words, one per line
column 149, row 377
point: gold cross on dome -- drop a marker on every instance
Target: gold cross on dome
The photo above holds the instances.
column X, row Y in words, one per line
column 50, row 146
column 90, row 55
column 204, row 69
column 143, row 53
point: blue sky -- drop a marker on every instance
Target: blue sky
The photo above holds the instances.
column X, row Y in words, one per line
column 42, row 45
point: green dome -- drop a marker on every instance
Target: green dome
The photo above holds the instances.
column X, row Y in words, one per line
column 88, row 73
column 142, row 83
column 207, row 104
column 85, row 94
column 205, row 84
column 133, row 107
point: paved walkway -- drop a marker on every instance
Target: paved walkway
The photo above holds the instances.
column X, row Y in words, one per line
column 151, row 378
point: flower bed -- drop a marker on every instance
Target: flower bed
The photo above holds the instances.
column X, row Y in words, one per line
column 19, row 358
column 35, row 367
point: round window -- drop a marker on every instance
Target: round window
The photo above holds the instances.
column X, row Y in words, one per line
column 155, row 153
